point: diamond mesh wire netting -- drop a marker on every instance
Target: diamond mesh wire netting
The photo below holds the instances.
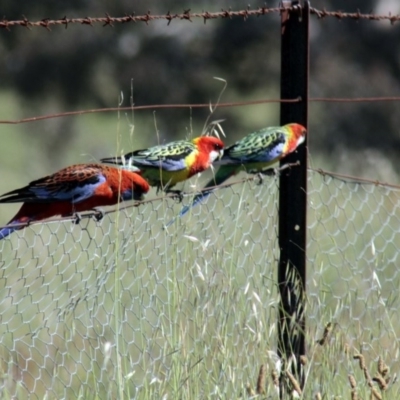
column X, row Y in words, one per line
column 123, row 308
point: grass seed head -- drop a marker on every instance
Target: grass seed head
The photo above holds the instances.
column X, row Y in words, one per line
column 325, row 335
column 352, row 381
column 361, row 360
column 295, row 383
column 383, row 369
column 380, row 380
column 303, row 360
column 261, row 380
column 375, row 394
column 275, row 378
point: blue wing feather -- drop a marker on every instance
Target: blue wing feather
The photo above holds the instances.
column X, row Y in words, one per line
column 50, row 189
column 165, row 164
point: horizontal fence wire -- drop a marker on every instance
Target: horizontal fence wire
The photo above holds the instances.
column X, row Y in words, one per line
column 202, row 105
column 187, row 15
column 191, row 310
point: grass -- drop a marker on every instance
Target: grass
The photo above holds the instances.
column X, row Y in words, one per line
column 125, row 309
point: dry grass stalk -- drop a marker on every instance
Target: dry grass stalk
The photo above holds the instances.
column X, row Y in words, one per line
column 261, row 380
column 325, row 335
column 361, row 360
column 250, row 391
column 375, row 393
column 363, row 367
column 367, row 377
column 318, row 396
column 295, row 384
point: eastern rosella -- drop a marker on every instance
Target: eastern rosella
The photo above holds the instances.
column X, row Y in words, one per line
column 166, row 165
column 254, row 153
column 74, row 189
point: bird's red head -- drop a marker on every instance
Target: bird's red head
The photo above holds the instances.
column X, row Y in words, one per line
column 298, row 133
column 210, row 145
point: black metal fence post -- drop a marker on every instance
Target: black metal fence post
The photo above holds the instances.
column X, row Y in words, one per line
column 293, row 191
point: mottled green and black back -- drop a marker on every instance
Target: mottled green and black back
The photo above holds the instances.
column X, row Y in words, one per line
column 262, row 146
column 176, row 151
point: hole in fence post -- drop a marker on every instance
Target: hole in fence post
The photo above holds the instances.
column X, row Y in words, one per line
column 293, row 197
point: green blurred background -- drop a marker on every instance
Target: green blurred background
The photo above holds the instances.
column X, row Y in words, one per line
column 83, row 67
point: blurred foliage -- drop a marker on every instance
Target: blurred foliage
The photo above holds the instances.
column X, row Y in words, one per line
column 82, row 67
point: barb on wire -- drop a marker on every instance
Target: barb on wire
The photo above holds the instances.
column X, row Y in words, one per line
column 249, row 178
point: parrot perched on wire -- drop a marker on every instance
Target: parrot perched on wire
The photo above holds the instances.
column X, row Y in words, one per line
column 74, row 189
column 165, row 165
column 254, row 153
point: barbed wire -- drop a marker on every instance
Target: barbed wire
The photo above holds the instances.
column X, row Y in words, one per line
column 108, row 20
column 257, row 177
column 355, row 15
column 200, row 105
column 146, row 18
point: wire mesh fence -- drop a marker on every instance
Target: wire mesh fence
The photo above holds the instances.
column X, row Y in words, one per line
column 127, row 309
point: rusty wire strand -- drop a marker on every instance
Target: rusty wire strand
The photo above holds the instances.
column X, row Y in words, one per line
column 250, row 178
column 146, row 18
column 149, row 107
column 108, row 20
column 201, row 105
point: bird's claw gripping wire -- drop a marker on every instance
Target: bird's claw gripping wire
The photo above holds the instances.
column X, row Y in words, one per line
column 177, row 194
column 260, row 175
column 77, row 218
column 99, row 214
column 273, row 171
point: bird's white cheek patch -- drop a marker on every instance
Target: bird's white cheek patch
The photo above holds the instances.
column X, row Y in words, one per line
column 301, row 140
column 214, row 155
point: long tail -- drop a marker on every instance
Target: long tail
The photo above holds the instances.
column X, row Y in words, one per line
column 7, row 231
column 26, row 213
column 223, row 173
column 10, row 228
column 112, row 160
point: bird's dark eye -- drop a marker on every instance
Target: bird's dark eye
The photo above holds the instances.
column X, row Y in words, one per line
column 217, row 146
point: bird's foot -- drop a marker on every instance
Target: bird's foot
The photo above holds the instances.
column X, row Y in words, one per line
column 259, row 178
column 288, row 166
column 176, row 194
column 99, row 214
column 273, row 171
column 78, row 218
column 260, row 175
